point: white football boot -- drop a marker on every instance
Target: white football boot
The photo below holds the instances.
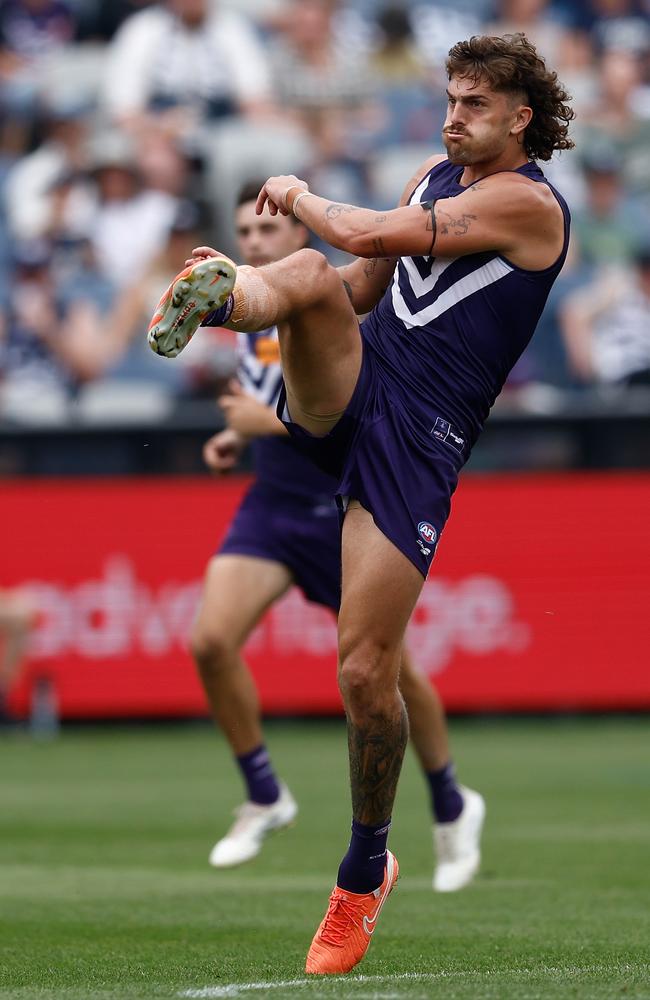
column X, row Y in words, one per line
column 458, row 845
column 244, row 839
column 197, row 291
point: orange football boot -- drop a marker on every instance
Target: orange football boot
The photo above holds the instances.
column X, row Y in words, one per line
column 197, row 291
column 343, row 937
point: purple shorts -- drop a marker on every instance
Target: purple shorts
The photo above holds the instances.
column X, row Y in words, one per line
column 301, row 533
column 404, row 474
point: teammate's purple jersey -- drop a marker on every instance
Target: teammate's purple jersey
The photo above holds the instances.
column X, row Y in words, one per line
column 278, row 462
column 449, row 329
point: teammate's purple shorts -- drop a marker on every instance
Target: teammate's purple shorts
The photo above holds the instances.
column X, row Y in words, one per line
column 403, row 473
column 301, row 533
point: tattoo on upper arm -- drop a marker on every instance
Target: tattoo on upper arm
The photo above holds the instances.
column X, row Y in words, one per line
column 429, row 206
column 348, row 290
column 458, row 227
column 370, row 267
column 333, row 210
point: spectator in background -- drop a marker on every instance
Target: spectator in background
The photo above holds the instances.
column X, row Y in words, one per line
column 184, row 61
column 621, row 25
column 209, row 362
column 17, row 618
column 614, row 118
column 325, row 86
column 610, row 225
column 51, row 329
column 32, row 194
column 606, row 326
column 131, row 220
column 30, row 32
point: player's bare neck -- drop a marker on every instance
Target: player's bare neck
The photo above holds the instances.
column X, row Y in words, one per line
column 474, row 172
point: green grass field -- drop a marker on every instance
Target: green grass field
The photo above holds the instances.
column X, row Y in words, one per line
column 105, row 891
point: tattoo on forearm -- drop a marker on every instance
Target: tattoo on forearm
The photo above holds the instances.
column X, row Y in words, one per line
column 429, row 206
column 458, row 227
column 333, row 210
column 378, row 219
column 376, row 753
column 379, row 247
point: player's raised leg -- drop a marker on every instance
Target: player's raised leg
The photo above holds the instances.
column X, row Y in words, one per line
column 458, row 811
column 304, row 296
column 380, row 588
column 237, row 591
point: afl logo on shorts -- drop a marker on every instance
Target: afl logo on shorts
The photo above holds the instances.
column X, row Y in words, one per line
column 427, row 532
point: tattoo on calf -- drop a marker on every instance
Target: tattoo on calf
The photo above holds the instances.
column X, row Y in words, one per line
column 376, row 753
column 431, row 227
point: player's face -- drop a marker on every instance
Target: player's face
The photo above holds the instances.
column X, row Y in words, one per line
column 480, row 121
column 265, row 238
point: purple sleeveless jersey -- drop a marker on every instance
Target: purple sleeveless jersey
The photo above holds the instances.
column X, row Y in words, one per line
column 289, row 514
column 437, row 350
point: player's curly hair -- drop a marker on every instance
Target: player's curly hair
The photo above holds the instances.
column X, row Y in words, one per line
column 511, row 63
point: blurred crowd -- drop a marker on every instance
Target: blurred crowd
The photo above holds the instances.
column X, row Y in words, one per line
column 128, row 126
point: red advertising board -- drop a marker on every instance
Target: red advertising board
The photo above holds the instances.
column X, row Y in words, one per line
column 539, row 597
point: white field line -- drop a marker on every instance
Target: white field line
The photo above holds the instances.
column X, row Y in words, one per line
column 236, row 989
column 565, row 972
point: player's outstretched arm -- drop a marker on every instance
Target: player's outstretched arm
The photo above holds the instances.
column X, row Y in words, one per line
column 497, row 213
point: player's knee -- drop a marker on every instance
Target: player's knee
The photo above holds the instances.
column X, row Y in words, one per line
column 211, row 649
column 314, row 270
column 367, row 675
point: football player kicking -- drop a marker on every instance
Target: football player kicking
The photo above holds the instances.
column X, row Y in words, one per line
column 301, row 544
column 455, row 279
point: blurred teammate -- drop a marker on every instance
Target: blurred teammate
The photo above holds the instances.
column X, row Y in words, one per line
column 17, row 618
column 456, row 278
column 301, row 544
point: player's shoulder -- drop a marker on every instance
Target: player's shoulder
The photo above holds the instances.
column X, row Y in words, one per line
column 416, row 178
column 520, row 193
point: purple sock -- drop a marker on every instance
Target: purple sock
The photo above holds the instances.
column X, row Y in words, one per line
column 221, row 315
column 259, row 776
column 446, row 797
column 362, row 868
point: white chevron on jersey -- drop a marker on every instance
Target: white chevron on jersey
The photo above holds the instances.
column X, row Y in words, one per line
column 411, row 316
column 494, row 270
column 260, row 380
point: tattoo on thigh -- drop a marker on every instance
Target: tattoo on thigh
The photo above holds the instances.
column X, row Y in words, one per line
column 376, row 752
column 431, row 226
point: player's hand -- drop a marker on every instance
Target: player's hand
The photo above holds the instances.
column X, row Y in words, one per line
column 221, row 452
column 274, row 192
column 245, row 414
column 201, row 253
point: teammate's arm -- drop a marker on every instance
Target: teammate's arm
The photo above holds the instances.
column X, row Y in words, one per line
column 366, row 280
column 498, row 213
column 247, row 416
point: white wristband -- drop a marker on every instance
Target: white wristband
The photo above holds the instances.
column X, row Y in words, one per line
column 303, row 194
